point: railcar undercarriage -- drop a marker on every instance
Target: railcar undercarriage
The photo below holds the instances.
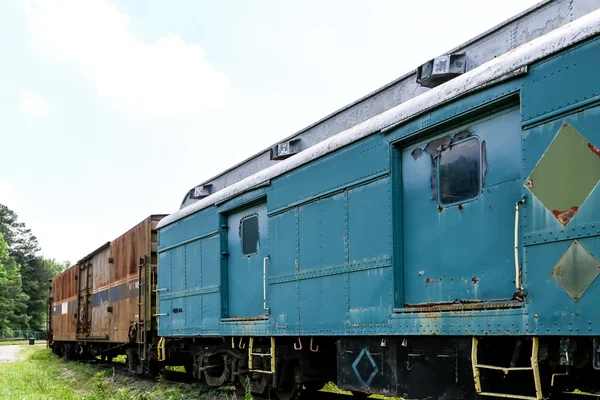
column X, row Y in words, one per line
column 435, row 368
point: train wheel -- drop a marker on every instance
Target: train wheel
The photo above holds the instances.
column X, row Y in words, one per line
column 290, row 386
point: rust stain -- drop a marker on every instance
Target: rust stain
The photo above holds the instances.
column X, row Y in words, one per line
column 529, row 183
column 440, row 208
column 564, row 217
column 475, row 280
column 594, row 149
column 117, row 262
column 434, row 280
column 460, row 207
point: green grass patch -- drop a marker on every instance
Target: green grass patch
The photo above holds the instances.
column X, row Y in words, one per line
column 42, row 375
column 13, row 342
column 331, row 387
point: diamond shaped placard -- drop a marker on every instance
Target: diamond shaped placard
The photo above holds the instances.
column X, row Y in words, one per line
column 370, row 365
column 576, row 270
column 566, row 174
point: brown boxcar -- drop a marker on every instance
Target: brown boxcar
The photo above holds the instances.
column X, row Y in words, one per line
column 63, row 305
column 104, row 304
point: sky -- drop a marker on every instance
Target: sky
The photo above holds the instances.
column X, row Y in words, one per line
column 112, row 109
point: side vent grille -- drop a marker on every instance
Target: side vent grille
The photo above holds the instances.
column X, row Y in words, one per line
column 441, row 69
column 284, row 150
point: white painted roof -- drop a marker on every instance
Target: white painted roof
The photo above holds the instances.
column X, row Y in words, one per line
column 561, row 38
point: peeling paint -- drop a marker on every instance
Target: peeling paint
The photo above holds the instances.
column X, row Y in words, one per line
column 416, row 153
column 564, row 217
column 435, row 147
column 594, row 149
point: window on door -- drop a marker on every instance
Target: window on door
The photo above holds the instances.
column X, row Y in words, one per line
column 460, row 172
column 249, row 235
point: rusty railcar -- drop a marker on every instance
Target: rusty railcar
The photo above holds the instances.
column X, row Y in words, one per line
column 104, row 304
column 63, row 303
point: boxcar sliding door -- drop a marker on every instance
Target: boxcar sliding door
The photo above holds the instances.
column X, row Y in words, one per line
column 459, row 190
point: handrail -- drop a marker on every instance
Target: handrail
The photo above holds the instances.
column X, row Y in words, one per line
column 265, row 283
column 517, row 271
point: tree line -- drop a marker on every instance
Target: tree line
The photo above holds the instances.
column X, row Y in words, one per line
column 24, row 275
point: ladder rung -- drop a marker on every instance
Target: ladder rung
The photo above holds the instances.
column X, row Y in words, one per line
column 262, row 354
column 508, row 396
column 505, row 369
column 262, row 372
column 534, row 368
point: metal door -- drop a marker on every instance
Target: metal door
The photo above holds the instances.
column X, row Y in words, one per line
column 459, row 190
column 248, row 250
column 86, row 281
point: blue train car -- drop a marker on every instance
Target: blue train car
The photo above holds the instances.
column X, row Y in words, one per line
column 445, row 248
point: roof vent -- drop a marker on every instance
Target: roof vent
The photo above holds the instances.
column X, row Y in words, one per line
column 201, row 192
column 441, row 69
column 284, row 150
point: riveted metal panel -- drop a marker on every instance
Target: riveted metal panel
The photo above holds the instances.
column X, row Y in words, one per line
column 563, row 83
column 329, row 173
column 322, row 233
column 318, row 310
column 210, row 261
column 370, row 220
column 193, row 227
column 283, row 239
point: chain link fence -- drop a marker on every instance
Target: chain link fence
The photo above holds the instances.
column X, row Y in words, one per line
column 16, row 334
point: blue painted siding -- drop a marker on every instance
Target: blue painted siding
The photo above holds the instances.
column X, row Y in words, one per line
column 562, row 83
column 334, row 171
column 323, row 240
column 200, row 224
column 283, row 238
column 189, row 269
column 370, row 220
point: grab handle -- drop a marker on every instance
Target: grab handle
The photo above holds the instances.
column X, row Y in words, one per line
column 265, row 283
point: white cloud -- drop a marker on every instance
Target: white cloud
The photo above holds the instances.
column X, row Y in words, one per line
column 166, row 77
column 7, row 195
column 33, row 103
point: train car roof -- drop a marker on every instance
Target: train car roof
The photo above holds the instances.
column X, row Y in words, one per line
column 498, row 68
column 522, row 28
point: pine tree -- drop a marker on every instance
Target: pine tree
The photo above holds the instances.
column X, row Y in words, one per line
column 13, row 302
column 34, row 270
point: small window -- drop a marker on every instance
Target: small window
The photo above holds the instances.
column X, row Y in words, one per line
column 249, row 235
column 460, row 172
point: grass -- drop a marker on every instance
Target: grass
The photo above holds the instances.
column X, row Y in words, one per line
column 42, row 375
column 331, row 387
column 13, row 342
